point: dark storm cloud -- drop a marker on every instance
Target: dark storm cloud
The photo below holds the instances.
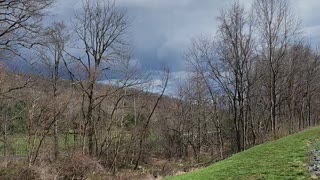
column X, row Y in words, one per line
column 161, row 30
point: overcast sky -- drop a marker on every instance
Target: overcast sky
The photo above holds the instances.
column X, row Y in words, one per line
column 161, row 30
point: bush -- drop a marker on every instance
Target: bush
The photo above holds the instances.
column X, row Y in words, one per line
column 18, row 173
column 78, row 166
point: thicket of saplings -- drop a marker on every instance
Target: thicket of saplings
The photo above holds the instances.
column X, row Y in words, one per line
column 255, row 80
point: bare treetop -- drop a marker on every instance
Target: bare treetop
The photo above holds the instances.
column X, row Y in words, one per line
column 20, row 21
column 100, row 26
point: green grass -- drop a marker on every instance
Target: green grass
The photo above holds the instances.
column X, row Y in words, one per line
column 286, row 158
column 18, row 144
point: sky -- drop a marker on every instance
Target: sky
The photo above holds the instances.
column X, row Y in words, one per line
column 161, row 30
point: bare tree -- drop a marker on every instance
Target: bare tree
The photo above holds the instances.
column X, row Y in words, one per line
column 227, row 61
column 52, row 55
column 278, row 28
column 143, row 134
column 20, row 22
column 100, row 26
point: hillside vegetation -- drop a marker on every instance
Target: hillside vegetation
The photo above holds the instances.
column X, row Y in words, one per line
column 286, row 158
column 77, row 101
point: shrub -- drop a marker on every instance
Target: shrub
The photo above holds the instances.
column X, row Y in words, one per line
column 18, row 173
column 78, row 166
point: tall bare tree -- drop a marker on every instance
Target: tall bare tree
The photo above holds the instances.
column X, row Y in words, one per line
column 278, row 28
column 227, row 61
column 52, row 54
column 100, row 26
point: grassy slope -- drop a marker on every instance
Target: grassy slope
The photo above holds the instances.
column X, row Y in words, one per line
column 285, row 158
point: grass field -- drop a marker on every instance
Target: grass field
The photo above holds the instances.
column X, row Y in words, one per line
column 286, row 158
column 18, row 144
